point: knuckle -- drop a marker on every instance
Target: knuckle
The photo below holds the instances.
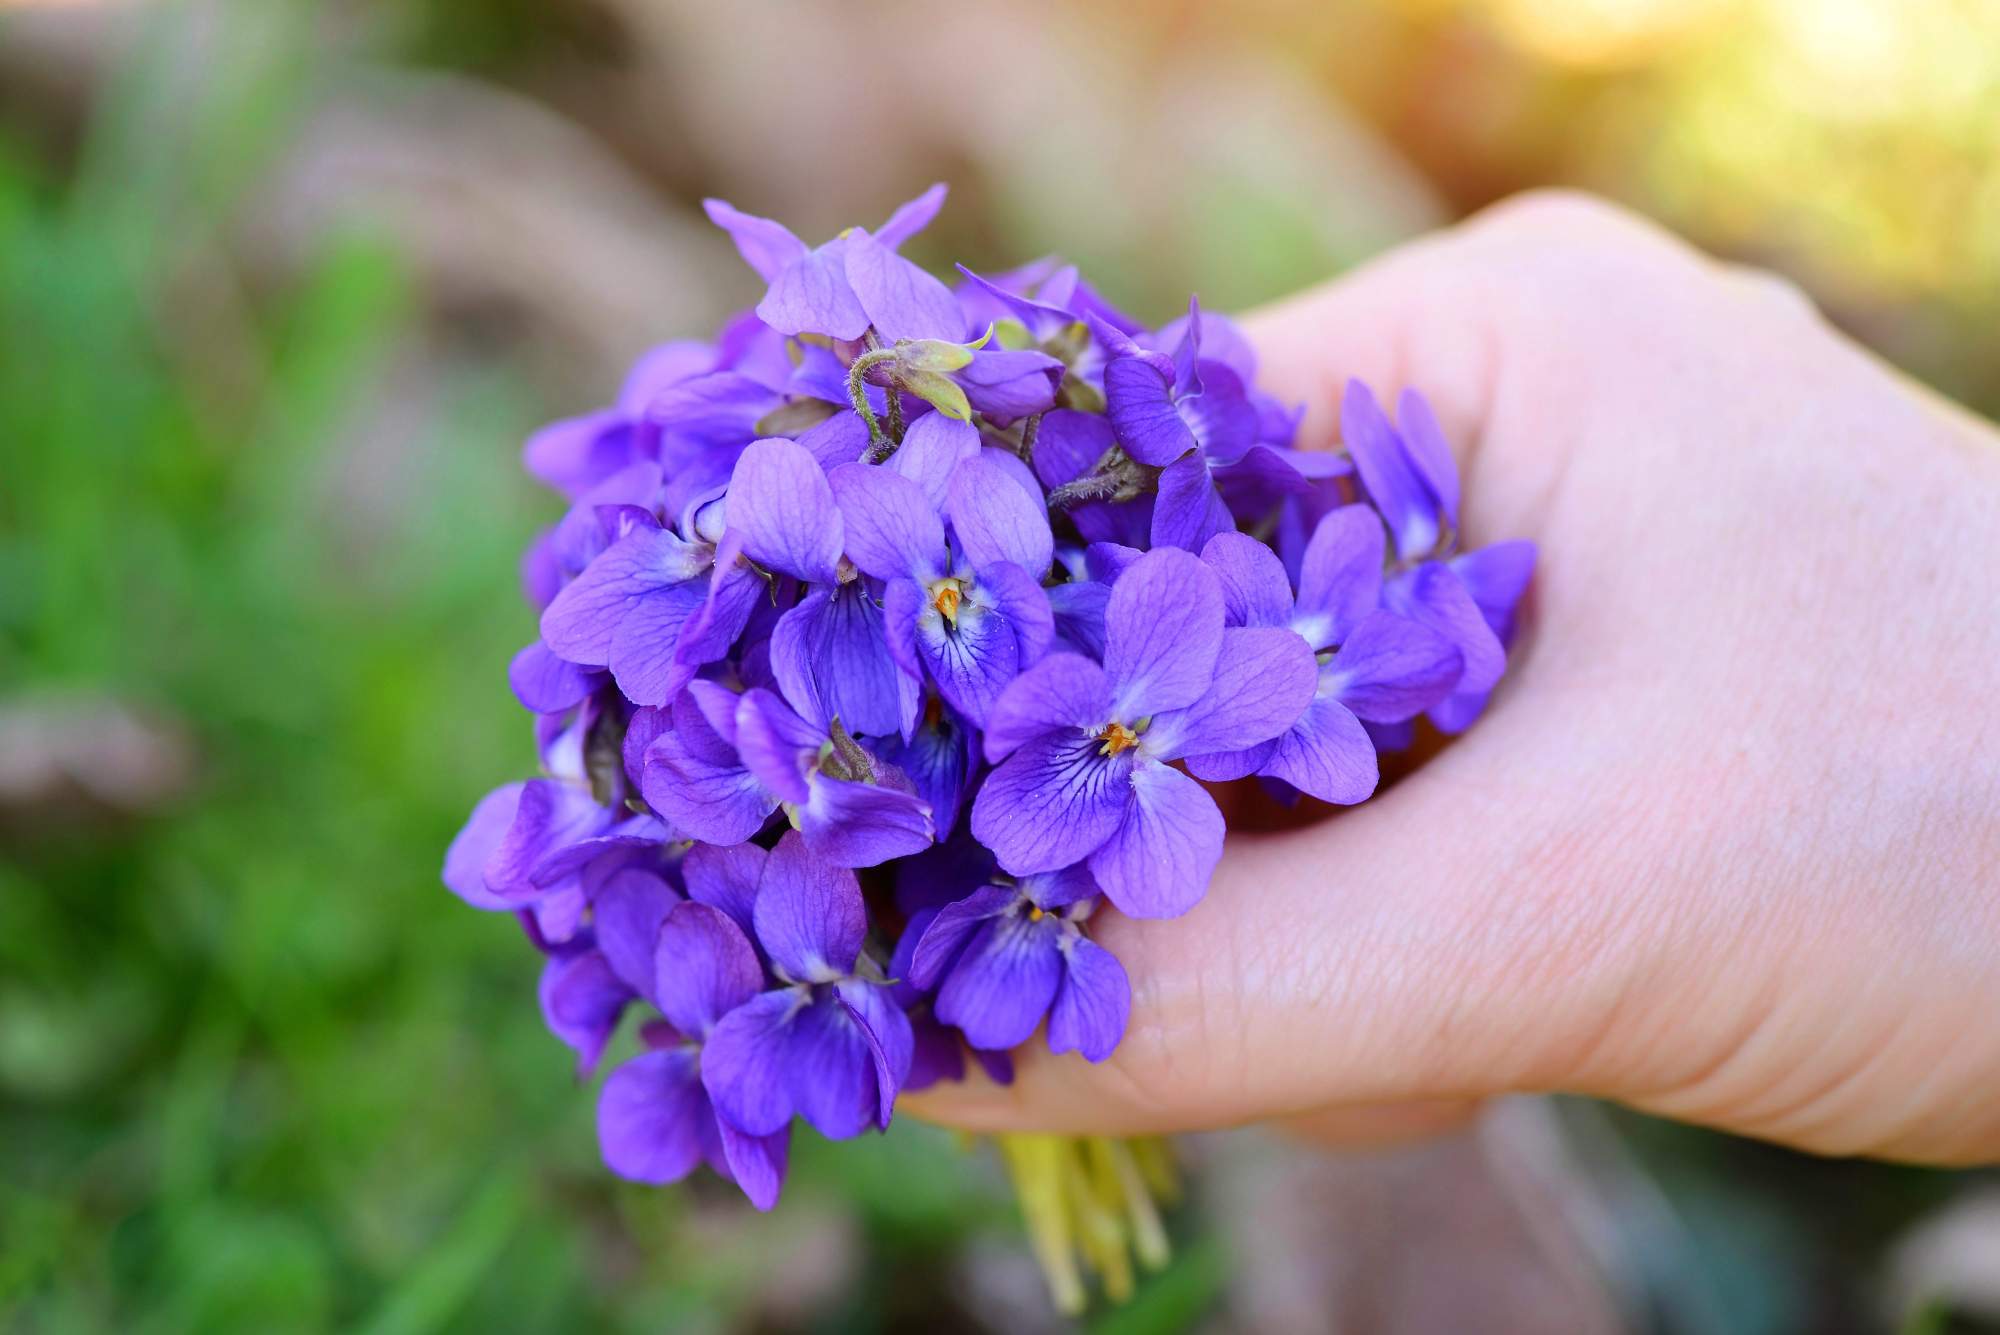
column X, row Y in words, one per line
column 1557, row 209
column 1770, row 290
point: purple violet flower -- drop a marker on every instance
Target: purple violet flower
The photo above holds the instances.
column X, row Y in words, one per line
column 1374, row 666
column 655, row 1119
column 969, row 616
column 828, row 1043
column 1083, row 750
column 1412, row 479
column 830, row 653
column 1013, row 952
column 848, row 285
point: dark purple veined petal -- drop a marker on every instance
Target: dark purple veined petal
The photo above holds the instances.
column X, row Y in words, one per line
column 811, row 295
column 474, row 845
column 1163, row 629
column 1063, row 692
column 1138, row 393
column 756, row 1163
column 831, row 657
column 652, row 1116
column 781, row 509
column 1433, row 595
column 933, row 447
column 949, row 930
column 830, row 1069
column 744, row 1063
column 971, row 656
column 1187, row 509
column 766, row 245
column 863, row 824
column 580, row 624
column 1429, row 452
column 1052, row 802
column 1399, row 490
column 1004, row 980
column 1255, row 591
column 1093, row 1003
column 703, row 967
column 993, row 519
column 892, row 529
column 1340, row 576
column 1392, row 668
column 1264, row 679
column 809, row 915
column 1327, row 754
column 901, row 299
column 890, row 1042
column 726, row 878
column 1157, row 863
column 581, row 1001
column 626, row 912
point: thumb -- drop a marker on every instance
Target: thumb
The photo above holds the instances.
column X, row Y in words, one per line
column 1415, row 950
column 1412, row 950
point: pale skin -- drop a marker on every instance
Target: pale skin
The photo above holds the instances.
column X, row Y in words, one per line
column 1726, row 846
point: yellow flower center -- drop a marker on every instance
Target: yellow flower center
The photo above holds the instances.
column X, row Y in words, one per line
column 945, row 598
column 1117, row 737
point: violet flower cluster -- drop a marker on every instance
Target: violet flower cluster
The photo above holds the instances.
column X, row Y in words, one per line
column 883, row 644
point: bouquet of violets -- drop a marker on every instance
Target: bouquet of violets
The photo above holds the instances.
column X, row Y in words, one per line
column 885, row 646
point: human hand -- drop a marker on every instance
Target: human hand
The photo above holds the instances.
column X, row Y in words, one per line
column 1726, row 845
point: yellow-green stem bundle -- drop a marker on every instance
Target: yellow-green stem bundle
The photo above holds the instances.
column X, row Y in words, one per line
column 1091, row 1204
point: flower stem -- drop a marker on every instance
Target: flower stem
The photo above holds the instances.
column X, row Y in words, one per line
column 1089, row 1206
column 857, row 394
